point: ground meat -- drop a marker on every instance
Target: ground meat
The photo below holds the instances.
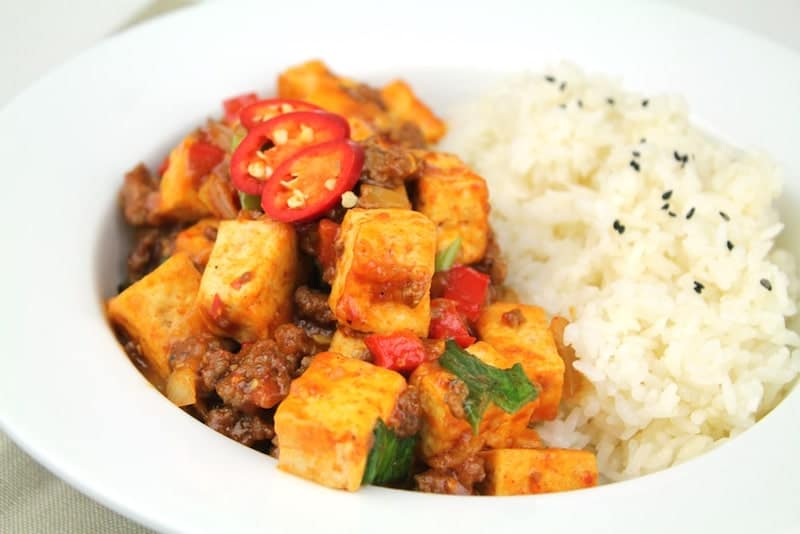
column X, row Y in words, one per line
column 405, row 419
column 214, row 367
column 364, row 93
column 150, row 248
column 456, row 395
column 512, row 318
column 313, row 305
column 260, row 377
column 387, row 165
column 457, row 480
column 293, row 342
column 407, row 134
column 139, row 197
column 308, row 239
column 191, row 350
column 247, row 429
column 493, row 263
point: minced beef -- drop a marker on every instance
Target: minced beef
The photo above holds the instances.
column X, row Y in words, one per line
column 150, row 248
column 247, row 429
column 387, row 165
column 313, row 305
column 139, row 197
column 457, row 480
column 493, row 263
column 406, row 417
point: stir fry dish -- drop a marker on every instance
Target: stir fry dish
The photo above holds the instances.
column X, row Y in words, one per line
column 311, row 278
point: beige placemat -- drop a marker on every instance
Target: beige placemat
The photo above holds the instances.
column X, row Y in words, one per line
column 34, row 501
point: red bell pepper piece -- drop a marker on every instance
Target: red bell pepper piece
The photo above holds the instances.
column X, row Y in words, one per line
column 401, row 351
column 312, row 181
column 270, row 144
column 326, row 252
column 261, row 111
column 447, row 323
column 468, row 288
column 203, row 156
column 234, row 105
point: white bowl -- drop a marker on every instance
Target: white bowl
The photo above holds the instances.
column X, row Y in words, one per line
column 70, row 397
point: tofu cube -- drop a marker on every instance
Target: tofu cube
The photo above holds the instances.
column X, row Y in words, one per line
column 246, row 289
column 325, row 425
column 197, row 241
column 529, row 471
column 314, row 82
column 383, row 275
column 457, row 201
column 444, row 434
column 178, row 191
column 523, row 332
column 404, row 105
column 157, row 310
column 350, row 345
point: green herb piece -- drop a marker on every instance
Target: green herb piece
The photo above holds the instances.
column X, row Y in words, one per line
column 390, row 457
column 238, row 135
column 250, row 202
column 446, row 258
column 509, row 389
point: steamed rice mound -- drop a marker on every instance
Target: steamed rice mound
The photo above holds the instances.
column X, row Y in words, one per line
column 657, row 242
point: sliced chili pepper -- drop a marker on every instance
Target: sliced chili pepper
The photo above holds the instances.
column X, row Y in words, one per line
column 327, row 238
column 263, row 110
column 447, row 323
column 312, row 181
column 268, row 145
column 401, row 351
column 203, row 156
column 468, row 288
column 163, row 167
column 234, row 105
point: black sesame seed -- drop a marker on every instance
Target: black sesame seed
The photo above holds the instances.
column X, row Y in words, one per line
column 635, row 165
column 690, row 213
column 610, row 101
column 724, row 216
column 665, row 207
column 677, row 156
column 562, row 106
column 562, row 86
column 766, row 283
column 618, row 227
column 729, row 245
column 643, row 140
column 666, row 194
column 580, row 103
column 550, row 79
column 671, row 213
column 645, row 102
column 636, row 154
column 698, row 287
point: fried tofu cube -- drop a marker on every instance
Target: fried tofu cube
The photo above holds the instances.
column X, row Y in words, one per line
column 445, row 433
column 159, row 309
column 383, row 276
column 197, row 241
column 528, row 471
column 349, row 344
column 314, row 82
column 246, row 289
column 457, row 201
column 325, row 425
column 178, row 191
column 523, row 332
column 404, row 105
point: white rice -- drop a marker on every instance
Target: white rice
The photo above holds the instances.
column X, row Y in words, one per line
column 674, row 372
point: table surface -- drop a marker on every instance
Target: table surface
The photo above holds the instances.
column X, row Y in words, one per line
column 37, row 35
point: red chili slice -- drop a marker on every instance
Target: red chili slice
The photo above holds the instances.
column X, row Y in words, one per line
column 263, row 110
column 234, row 105
column 268, row 145
column 312, row 181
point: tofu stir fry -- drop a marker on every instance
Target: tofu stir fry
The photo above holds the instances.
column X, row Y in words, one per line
column 311, row 278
